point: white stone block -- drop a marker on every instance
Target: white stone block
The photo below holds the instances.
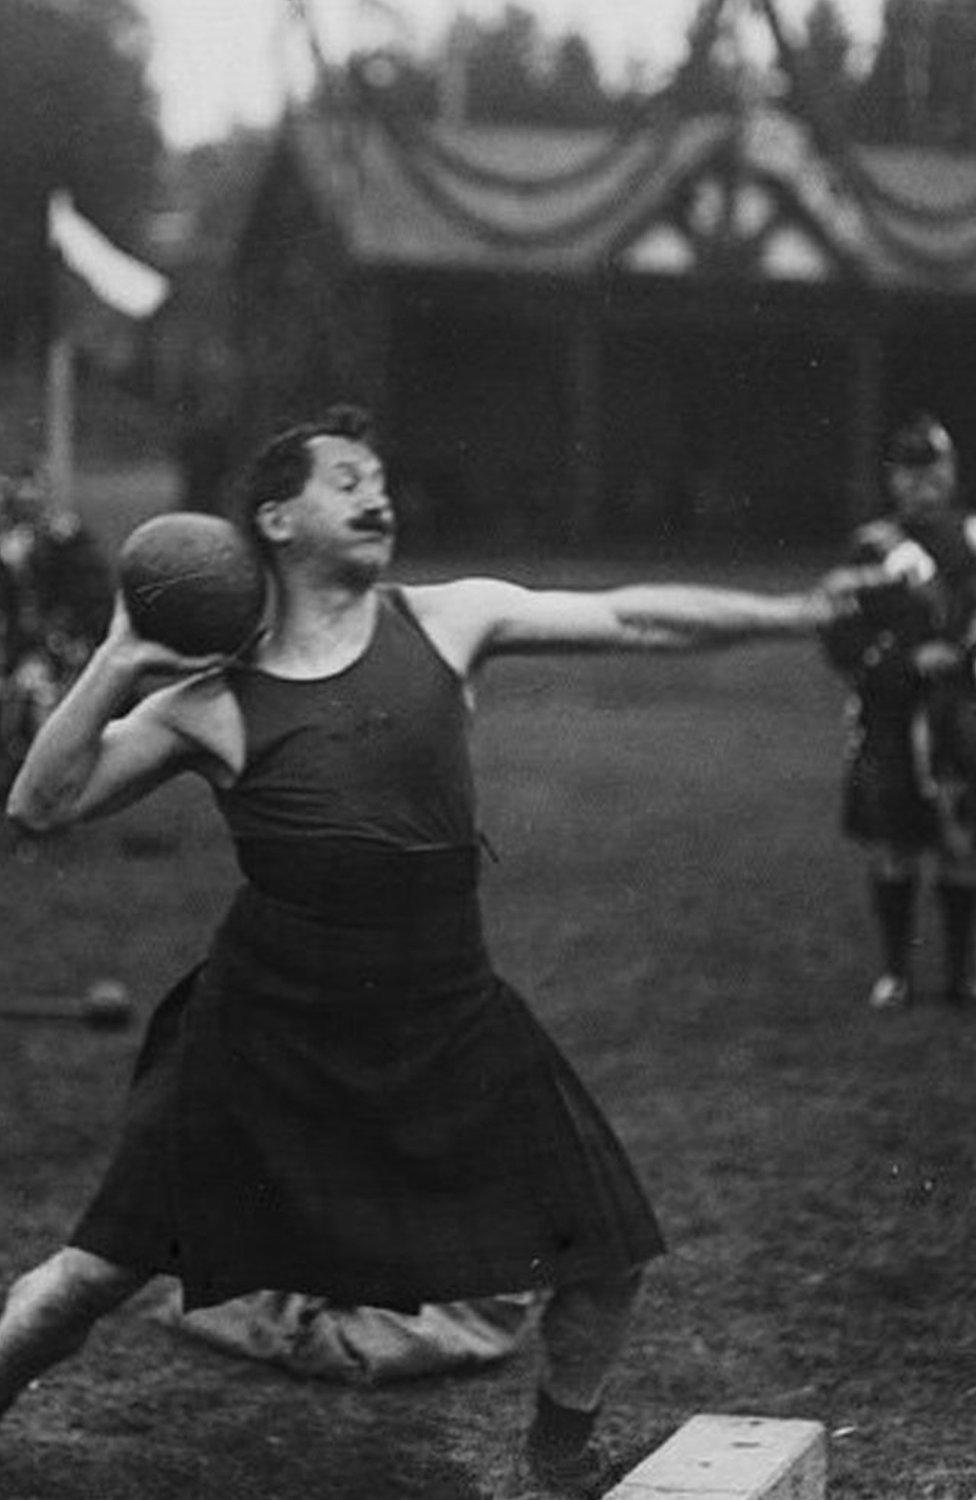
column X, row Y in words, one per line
column 733, row 1458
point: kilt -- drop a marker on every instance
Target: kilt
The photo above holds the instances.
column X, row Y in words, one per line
column 897, row 795
column 882, row 800
column 346, row 1100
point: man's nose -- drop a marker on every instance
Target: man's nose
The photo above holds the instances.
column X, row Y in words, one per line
column 374, row 496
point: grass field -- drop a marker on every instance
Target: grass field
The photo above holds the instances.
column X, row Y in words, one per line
column 673, row 895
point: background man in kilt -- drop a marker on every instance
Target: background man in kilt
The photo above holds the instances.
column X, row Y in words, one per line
column 907, row 652
column 345, row 1099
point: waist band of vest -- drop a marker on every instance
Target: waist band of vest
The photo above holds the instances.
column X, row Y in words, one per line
column 357, row 882
column 296, row 955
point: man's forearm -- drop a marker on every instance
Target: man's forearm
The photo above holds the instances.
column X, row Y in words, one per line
column 718, row 614
column 66, row 749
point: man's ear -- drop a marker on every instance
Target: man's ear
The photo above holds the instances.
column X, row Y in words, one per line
column 273, row 522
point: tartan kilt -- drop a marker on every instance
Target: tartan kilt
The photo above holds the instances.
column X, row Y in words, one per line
column 361, row 1110
column 882, row 800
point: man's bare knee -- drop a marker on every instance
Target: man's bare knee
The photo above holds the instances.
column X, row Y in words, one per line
column 50, row 1310
column 66, row 1294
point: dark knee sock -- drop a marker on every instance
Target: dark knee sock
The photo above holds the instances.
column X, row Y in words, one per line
column 958, row 905
column 583, row 1329
column 560, row 1429
column 894, row 907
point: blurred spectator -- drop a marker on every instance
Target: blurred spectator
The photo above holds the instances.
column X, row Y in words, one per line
column 55, row 600
column 907, row 649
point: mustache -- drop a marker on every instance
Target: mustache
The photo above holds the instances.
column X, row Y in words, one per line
column 383, row 524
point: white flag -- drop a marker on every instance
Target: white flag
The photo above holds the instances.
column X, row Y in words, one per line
column 119, row 280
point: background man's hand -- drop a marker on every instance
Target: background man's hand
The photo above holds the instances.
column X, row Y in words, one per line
column 933, row 658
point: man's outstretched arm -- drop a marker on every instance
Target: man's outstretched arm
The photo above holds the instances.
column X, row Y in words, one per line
column 707, row 616
column 478, row 617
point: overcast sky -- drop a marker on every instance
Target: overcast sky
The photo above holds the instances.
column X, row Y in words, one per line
column 217, row 61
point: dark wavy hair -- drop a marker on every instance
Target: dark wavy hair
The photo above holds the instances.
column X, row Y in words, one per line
column 282, row 467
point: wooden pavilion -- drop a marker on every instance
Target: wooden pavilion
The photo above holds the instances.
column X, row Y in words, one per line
column 691, row 325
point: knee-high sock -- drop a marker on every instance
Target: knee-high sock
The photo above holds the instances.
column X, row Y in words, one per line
column 583, row 1330
column 894, row 908
column 958, row 906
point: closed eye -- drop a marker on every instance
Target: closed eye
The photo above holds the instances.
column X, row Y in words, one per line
column 346, row 478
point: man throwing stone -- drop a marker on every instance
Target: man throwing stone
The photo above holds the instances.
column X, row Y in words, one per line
column 345, row 1099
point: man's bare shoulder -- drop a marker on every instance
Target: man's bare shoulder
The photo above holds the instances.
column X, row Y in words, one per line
column 462, row 595
column 461, row 616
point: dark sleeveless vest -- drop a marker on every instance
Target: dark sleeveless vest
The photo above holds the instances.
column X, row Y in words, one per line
column 375, row 754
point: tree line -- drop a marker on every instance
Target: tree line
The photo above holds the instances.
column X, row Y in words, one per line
column 918, row 88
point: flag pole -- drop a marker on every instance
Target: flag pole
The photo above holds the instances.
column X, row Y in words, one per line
column 60, row 418
column 59, row 376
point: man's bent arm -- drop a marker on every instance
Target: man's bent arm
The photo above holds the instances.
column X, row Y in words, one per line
column 79, row 749
column 85, row 759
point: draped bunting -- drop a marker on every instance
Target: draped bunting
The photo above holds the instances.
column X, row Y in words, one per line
column 413, row 191
column 414, row 134
column 563, row 230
